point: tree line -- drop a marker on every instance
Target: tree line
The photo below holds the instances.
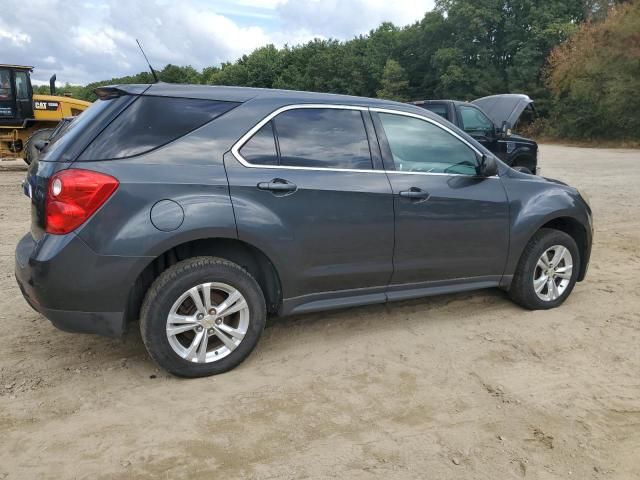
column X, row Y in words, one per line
column 578, row 59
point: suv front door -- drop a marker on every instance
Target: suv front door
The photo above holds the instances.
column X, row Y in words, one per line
column 305, row 190
column 451, row 224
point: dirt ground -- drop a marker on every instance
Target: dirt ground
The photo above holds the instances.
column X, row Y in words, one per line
column 462, row 386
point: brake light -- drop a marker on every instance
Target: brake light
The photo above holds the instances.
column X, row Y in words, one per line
column 73, row 196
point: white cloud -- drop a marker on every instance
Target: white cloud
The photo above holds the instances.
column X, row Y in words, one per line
column 13, row 36
column 88, row 40
column 343, row 19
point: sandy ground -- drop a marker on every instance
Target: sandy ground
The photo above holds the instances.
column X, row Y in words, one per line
column 463, row 386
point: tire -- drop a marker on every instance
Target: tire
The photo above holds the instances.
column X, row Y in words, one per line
column 526, row 162
column 31, row 152
column 529, row 270
column 173, row 292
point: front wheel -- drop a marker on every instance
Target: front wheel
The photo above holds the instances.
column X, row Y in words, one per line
column 202, row 316
column 547, row 271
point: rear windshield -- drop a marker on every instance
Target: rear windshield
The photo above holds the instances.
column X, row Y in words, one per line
column 438, row 108
column 61, row 149
column 151, row 122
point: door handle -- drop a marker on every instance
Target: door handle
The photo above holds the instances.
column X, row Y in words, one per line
column 278, row 185
column 415, row 193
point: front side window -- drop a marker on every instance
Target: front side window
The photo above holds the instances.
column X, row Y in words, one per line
column 22, row 86
column 420, row 146
column 324, row 138
column 475, row 122
column 6, row 92
column 151, row 122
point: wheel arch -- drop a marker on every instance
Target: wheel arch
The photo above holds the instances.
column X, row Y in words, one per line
column 254, row 260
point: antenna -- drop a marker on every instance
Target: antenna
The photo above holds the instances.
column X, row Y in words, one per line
column 153, row 72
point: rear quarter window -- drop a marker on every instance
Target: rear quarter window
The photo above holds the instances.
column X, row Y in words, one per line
column 151, row 122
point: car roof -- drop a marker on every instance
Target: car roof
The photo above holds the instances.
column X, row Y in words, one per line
column 243, row 94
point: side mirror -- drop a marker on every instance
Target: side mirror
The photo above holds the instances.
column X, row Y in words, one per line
column 505, row 130
column 488, row 167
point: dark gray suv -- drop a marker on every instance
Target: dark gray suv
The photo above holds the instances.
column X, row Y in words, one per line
column 200, row 210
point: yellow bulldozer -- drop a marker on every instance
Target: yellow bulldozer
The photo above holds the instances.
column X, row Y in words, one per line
column 26, row 118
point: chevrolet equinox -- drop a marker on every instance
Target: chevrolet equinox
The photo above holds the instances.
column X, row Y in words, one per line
column 202, row 209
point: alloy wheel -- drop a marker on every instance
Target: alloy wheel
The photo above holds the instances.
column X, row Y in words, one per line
column 207, row 322
column 552, row 274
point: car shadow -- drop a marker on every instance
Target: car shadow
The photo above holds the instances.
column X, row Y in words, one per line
column 79, row 353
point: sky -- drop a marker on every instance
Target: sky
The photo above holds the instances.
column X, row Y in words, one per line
column 89, row 40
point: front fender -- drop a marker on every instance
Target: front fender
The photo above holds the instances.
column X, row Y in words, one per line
column 533, row 203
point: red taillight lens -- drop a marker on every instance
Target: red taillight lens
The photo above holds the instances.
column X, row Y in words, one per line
column 73, row 196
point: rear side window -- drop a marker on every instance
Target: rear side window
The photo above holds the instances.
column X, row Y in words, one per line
column 323, row 137
column 151, row 122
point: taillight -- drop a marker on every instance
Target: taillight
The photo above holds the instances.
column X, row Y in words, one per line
column 73, row 196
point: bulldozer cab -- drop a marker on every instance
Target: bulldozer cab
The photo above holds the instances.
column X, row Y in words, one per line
column 16, row 95
column 25, row 117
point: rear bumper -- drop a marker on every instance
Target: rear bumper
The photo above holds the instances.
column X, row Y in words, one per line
column 72, row 286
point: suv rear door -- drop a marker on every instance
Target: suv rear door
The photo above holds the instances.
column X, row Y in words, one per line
column 308, row 188
column 451, row 225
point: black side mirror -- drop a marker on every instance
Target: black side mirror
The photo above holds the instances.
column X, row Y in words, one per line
column 505, row 130
column 488, row 167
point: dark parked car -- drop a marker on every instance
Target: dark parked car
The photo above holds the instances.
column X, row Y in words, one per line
column 200, row 210
column 489, row 120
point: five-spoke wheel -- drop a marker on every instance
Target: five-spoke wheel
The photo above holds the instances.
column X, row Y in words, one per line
column 202, row 316
column 553, row 273
column 207, row 322
column 547, row 271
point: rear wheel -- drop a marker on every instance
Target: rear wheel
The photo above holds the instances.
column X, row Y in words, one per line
column 203, row 316
column 547, row 272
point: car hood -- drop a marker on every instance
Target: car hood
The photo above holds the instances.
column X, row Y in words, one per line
column 504, row 108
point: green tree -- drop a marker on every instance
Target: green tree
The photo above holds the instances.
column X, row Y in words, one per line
column 176, row 74
column 462, row 49
column 394, row 84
